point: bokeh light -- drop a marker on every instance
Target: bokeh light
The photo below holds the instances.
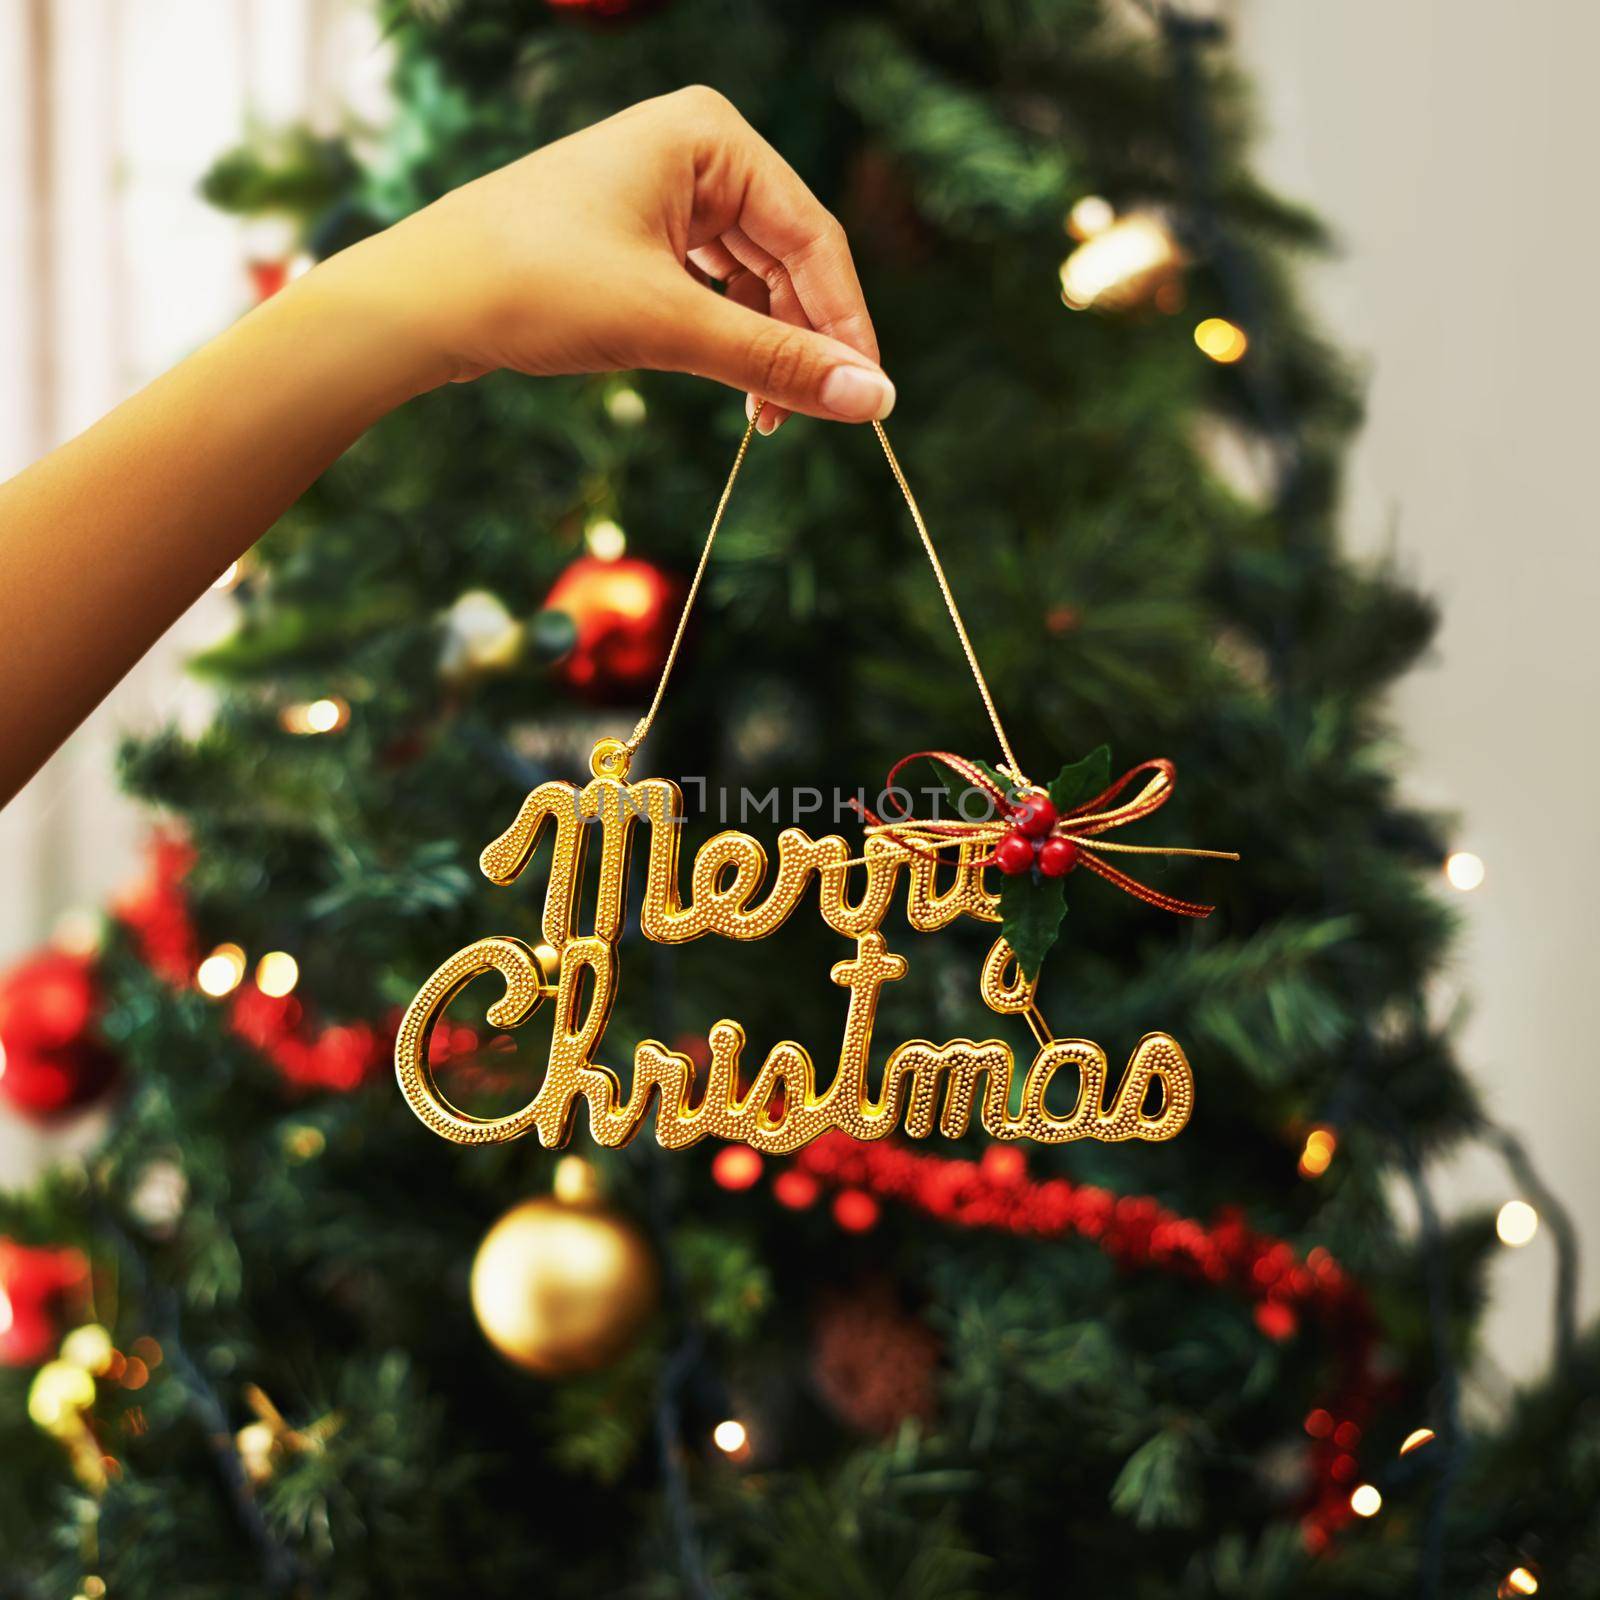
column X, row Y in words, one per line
column 221, row 972
column 1516, row 1223
column 277, row 972
column 1091, row 215
column 1220, row 339
column 1416, row 1439
column 1365, row 1500
column 1463, row 870
column 606, row 540
column 730, row 1436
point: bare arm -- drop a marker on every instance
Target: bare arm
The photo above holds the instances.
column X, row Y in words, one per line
column 575, row 259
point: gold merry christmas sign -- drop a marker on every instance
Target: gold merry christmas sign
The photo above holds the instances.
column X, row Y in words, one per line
column 732, row 895
column 1030, row 838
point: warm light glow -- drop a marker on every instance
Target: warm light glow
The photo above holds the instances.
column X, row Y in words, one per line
column 60, row 1390
column 1365, row 1500
column 736, row 1167
column 323, row 716
column 221, row 972
column 2, row 1074
column 227, row 577
column 1519, row 1581
column 1517, row 1223
column 88, row 1347
column 1091, row 215
column 606, row 541
column 1416, row 1439
column 575, row 1182
column 1119, row 265
column 1318, row 1152
column 730, row 1436
column 277, row 972
column 1464, row 870
column 626, row 406
column 1221, row 340
column 7, row 1315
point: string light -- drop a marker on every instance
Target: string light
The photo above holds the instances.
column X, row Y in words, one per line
column 1091, row 215
column 1518, row 1581
column 221, row 972
column 1365, row 1500
column 1222, row 340
column 277, row 972
column 325, row 715
column 60, row 1391
column 88, row 1347
column 1416, row 1439
column 1516, row 1223
column 575, row 1181
column 1464, row 870
column 626, row 406
column 606, row 540
column 1120, row 266
column 730, row 1437
column 1321, row 1143
column 736, row 1167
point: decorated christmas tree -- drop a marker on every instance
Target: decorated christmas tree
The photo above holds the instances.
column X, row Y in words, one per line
column 274, row 1337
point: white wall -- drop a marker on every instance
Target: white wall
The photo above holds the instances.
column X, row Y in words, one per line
column 1451, row 143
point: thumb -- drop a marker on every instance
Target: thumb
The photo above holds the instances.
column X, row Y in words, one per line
column 703, row 332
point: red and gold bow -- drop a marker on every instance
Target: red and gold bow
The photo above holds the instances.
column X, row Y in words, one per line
column 1082, row 825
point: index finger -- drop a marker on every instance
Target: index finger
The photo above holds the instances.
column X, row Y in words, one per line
column 742, row 182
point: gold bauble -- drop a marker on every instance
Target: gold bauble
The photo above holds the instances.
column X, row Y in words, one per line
column 561, row 1288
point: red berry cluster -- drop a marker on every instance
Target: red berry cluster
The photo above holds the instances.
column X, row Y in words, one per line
column 1031, row 843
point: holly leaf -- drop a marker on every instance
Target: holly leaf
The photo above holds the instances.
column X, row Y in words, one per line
column 1030, row 918
column 1081, row 780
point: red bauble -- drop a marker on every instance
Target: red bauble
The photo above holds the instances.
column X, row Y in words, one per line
column 46, row 1002
column 1034, row 814
column 623, row 612
column 37, row 1286
column 50, row 1062
column 1014, row 854
column 1057, row 856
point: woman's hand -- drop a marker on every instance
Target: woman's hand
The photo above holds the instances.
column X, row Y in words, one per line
column 592, row 255
column 588, row 256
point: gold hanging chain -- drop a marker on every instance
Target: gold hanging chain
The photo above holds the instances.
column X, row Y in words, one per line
column 613, row 755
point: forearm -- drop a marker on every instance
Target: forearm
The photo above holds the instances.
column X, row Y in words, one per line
column 106, row 541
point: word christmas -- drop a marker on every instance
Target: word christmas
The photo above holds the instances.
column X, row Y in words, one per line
column 731, row 895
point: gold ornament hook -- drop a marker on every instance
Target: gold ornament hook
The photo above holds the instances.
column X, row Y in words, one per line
column 611, row 759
